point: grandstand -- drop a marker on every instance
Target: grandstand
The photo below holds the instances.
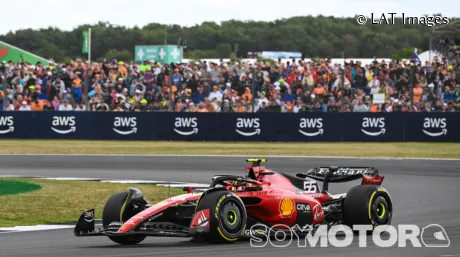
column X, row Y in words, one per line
column 446, row 40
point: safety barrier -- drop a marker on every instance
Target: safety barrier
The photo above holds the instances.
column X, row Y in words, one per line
column 288, row 127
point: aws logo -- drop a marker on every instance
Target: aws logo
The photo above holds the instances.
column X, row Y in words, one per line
column 186, row 123
column 373, row 123
column 124, row 123
column 66, row 123
column 311, row 124
column 8, row 123
column 437, row 123
column 248, row 123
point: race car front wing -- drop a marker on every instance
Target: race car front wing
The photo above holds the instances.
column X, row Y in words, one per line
column 86, row 227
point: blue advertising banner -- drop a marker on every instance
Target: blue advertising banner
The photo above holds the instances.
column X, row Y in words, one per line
column 433, row 127
column 310, row 127
column 267, row 127
column 374, row 127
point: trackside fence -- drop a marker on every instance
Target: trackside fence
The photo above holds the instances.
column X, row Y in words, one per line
column 287, row 127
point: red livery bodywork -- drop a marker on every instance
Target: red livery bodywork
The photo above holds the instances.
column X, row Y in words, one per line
column 157, row 208
column 270, row 198
column 278, row 200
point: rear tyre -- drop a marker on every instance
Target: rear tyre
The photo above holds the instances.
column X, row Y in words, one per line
column 115, row 210
column 367, row 205
column 227, row 216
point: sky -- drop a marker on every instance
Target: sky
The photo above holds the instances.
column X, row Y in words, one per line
column 68, row 15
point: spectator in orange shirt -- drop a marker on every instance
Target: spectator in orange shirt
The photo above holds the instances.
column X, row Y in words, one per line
column 202, row 108
column 375, row 108
column 417, row 92
column 239, row 107
column 247, row 95
column 289, row 107
column 174, row 90
column 122, row 69
column 37, row 105
column 319, row 89
column 209, row 106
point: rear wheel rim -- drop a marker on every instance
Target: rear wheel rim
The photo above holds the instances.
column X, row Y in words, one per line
column 381, row 210
column 232, row 217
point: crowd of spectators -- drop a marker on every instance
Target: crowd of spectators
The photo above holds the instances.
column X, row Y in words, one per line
column 449, row 47
column 265, row 86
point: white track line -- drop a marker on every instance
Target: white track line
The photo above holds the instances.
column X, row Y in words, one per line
column 33, row 228
column 119, row 181
column 185, row 185
column 242, row 156
column 72, row 179
column 128, row 181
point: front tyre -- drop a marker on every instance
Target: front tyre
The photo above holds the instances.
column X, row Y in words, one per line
column 115, row 210
column 367, row 205
column 228, row 216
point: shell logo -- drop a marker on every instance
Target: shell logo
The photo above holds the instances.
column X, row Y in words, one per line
column 286, row 207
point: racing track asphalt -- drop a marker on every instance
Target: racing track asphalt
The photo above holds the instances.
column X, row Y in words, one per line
column 423, row 192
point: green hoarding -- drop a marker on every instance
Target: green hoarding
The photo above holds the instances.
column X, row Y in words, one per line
column 12, row 53
column 158, row 53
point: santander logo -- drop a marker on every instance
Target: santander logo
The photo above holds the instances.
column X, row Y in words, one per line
column 3, row 52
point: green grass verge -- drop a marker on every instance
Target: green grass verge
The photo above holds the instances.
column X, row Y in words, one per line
column 426, row 150
column 63, row 201
column 12, row 187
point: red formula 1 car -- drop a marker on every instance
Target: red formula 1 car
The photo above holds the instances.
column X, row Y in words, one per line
column 232, row 205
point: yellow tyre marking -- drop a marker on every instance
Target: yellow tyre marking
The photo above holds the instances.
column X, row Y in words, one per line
column 124, row 206
column 225, row 237
column 370, row 204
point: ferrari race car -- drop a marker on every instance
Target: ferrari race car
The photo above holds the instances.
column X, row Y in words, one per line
column 227, row 210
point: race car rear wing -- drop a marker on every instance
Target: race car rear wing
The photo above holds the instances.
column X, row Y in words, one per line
column 335, row 174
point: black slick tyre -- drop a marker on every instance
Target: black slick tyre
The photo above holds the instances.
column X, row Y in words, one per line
column 367, row 205
column 228, row 216
column 115, row 210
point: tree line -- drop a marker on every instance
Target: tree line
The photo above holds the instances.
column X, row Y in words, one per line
column 313, row 36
